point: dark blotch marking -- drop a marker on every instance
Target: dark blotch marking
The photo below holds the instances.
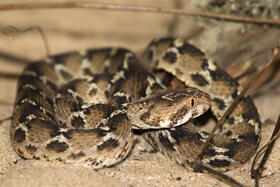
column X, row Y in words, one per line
column 194, row 114
column 120, row 118
column 65, row 74
column 72, row 86
column 87, row 110
column 33, row 94
column 19, row 152
column 36, row 68
column 220, row 103
column 171, row 57
column 204, row 64
column 87, row 71
column 230, row 120
column 150, row 54
column 101, row 133
column 250, row 138
column 221, row 75
column 57, row 146
column 19, row 135
column 151, row 141
column 151, row 107
column 51, row 85
column 36, row 82
column 112, row 143
column 156, row 86
column 36, row 158
column 93, row 92
column 199, row 80
column 219, row 163
column 117, row 85
column 77, row 156
column 142, row 92
column 61, row 58
column 181, row 135
column 50, row 115
column 230, row 153
column 145, row 116
column 80, row 100
column 67, row 134
column 28, row 109
column 166, row 143
column 119, row 100
column 229, row 133
column 190, row 49
column 31, row 149
column 156, row 62
column 181, row 112
column 55, row 132
column 211, row 152
column 93, row 162
column 75, row 107
column 77, row 121
column 234, row 94
column 250, row 111
column 107, row 94
column 178, row 71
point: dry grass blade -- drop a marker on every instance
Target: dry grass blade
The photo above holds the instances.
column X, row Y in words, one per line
column 9, row 75
column 257, row 173
column 275, row 58
column 220, row 176
column 90, row 5
column 5, row 119
column 14, row 59
column 12, row 32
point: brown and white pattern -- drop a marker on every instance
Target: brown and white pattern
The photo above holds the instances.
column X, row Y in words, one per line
column 237, row 141
column 81, row 107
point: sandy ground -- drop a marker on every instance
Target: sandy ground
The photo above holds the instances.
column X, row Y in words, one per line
column 74, row 29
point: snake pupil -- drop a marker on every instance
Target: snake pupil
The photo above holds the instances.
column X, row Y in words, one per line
column 192, row 102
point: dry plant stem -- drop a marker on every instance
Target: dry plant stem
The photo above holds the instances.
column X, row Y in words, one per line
column 5, row 103
column 275, row 58
column 9, row 75
column 248, row 73
column 14, row 59
column 5, row 119
column 90, row 5
column 12, row 31
column 257, row 173
column 197, row 165
column 270, row 88
column 220, row 176
column 174, row 23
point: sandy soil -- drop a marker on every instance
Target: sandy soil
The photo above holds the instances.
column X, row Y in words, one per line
column 74, row 29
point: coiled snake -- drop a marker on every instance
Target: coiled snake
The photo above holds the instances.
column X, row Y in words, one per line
column 81, row 107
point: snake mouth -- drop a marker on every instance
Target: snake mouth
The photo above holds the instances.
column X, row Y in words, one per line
column 200, row 110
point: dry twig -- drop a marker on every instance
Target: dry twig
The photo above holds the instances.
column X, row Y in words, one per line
column 257, row 173
column 12, row 31
column 118, row 7
column 275, row 58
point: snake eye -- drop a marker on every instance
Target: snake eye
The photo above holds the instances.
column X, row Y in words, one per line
column 191, row 102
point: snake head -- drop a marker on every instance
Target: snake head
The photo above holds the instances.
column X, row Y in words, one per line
column 186, row 104
column 168, row 108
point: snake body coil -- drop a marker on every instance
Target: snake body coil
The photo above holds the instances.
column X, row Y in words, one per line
column 81, row 107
